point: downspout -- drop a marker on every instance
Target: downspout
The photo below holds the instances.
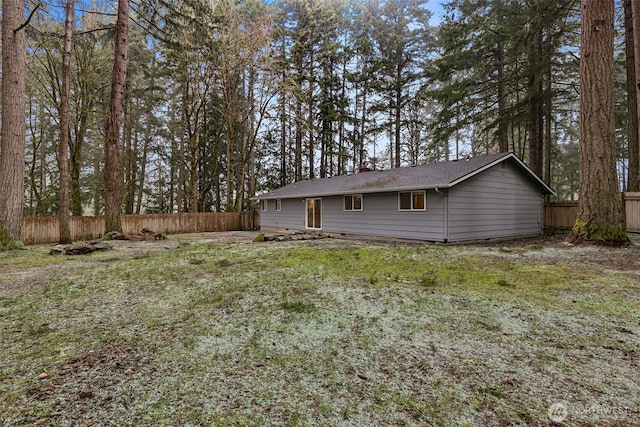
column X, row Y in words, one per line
column 446, row 214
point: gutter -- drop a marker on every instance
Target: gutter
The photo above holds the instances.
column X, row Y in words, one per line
column 343, row 193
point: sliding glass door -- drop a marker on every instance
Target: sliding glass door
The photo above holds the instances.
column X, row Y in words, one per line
column 314, row 214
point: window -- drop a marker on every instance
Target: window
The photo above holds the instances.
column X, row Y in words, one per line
column 412, row 201
column 265, row 205
column 278, row 205
column 353, row 202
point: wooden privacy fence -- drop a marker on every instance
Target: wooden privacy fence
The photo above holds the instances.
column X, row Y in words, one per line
column 562, row 215
column 45, row 229
column 632, row 210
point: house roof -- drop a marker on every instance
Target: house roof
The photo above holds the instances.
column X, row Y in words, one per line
column 427, row 176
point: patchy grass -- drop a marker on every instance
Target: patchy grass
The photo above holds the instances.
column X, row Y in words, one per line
column 322, row 332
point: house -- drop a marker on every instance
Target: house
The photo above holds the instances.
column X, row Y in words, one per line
column 478, row 198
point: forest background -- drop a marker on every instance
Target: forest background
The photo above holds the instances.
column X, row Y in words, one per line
column 226, row 99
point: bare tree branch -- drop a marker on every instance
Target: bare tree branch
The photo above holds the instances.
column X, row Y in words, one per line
column 25, row 23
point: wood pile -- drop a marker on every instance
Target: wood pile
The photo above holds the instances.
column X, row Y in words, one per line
column 301, row 235
column 98, row 245
column 80, row 249
column 144, row 234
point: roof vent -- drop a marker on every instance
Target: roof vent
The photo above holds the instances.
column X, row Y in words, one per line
column 363, row 167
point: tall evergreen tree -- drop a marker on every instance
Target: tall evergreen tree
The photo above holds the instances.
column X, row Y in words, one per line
column 113, row 125
column 500, row 72
column 600, row 218
column 12, row 137
column 63, row 141
column 402, row 38
column 632, row 53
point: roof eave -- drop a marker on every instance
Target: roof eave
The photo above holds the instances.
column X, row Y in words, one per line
column 344, row 193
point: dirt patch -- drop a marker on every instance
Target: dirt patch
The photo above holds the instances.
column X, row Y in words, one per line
column 96, row 378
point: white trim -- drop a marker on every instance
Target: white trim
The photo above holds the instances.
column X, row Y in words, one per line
column 306, row 213
column 278, row 207
column 344, row 196
column 412, row 209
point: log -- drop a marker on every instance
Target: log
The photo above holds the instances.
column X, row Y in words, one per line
column 79, row 249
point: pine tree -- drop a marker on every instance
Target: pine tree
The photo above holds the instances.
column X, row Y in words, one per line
column 13, row 133
column 402, row 38
column 632, row 54
column 63, row 141
column 113, row 125
column 600, row 218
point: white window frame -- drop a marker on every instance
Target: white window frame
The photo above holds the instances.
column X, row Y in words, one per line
column 264, row 205
column 278, row 205
column 412, row 195
column 352, row 196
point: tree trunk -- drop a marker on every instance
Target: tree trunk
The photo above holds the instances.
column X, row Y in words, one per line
column 143, row 162
column 283, row 121
column 298, row 150
column 534, row 89
column 13, row 133
column 632, row 50
column 600, row 218
column 342, row 157
column 299, row 64
column 76, row 164
column 310, row 114
column 363, row 128
column 112, row 195
column 130, row 145
column 397, row 114
column 194, row 161
column 548, row 115
column 63, row 142
column 503, row 119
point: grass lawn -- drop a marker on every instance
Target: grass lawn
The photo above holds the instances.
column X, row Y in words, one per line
column 200, row 331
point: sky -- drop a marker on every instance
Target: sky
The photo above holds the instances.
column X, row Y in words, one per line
column 437, row 11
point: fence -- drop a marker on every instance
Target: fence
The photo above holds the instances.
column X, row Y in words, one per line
column 632, row 210
column 41, row 229
column 35, row 230
column 562, row 215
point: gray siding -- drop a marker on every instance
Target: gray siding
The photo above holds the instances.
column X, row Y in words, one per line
column 380, row 217
column 291, row 216
column 498, row 202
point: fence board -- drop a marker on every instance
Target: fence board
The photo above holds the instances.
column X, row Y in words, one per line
column 40, row 229
column 632, row 211
column 560, row 215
